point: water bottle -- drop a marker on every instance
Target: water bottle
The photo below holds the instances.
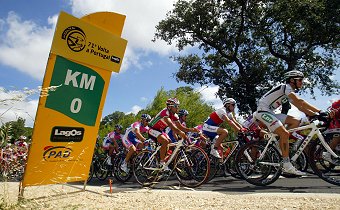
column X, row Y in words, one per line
column 226, row 152
column 168, row 155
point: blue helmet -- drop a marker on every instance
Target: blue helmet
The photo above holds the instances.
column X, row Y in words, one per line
column 146, row 117
column 119, row 127
column 183, row 112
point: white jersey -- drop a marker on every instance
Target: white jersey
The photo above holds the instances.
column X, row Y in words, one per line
column 274, row 98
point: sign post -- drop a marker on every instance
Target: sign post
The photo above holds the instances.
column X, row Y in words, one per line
column 83, row 55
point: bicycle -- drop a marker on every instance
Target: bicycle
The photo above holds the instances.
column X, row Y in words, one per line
column 259, row 163
column 189, row 163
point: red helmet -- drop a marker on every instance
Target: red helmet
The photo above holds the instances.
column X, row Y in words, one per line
column 172, row 101
column 336, row 104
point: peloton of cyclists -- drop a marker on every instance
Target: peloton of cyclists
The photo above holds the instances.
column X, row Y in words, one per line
column 167, row 118
column 333, row 130
column 134, row 139
column 211, row 126
column 182, row 115
column 110, row 142
column 271, row 101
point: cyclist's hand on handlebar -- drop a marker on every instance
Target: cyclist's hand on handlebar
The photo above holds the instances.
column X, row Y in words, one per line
column 243, row 130
column 324, row 113
column 183, row 135
column 195, row 130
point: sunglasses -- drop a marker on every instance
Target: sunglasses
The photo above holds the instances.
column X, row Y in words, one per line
column 299, row 79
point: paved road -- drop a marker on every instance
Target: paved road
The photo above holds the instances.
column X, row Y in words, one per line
column 230, row 185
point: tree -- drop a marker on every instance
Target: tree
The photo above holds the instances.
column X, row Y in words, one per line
column 245, row 46
column 189, row 100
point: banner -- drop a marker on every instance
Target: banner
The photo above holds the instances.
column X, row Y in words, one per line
column 83, row 55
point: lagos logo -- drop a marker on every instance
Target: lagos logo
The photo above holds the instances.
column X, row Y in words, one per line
column 75, row 38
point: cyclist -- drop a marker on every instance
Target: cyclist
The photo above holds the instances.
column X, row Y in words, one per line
column 21, row 145
column 333, row 130
column 182, row 115
column 272, row 101
column 110, row 142
column 133, row 138
column 211, row 126
column 199, row 139
column 167, row 118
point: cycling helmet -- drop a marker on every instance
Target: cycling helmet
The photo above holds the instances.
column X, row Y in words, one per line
column 146, row 117
column 23, row 137
column 229, row 101
column 183, row 112
column 172, row 101
column 119, row 127
column 293, row 74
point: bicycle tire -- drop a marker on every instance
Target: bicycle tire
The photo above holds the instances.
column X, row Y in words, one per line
column 254, row 171
column 118, row 173
column 324, row 169
column 101, row 169
column 142, row 165
column 192, row 166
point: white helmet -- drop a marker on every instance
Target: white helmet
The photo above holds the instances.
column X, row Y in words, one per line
column 292, row 74
column 23, row 137
column 229, row 101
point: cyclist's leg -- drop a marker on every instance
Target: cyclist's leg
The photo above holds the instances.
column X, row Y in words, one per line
column 164, row 141
column 292, row 122
column 223, row 134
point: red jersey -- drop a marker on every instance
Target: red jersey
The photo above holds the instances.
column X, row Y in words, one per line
column 158, row 122
column 335, row 123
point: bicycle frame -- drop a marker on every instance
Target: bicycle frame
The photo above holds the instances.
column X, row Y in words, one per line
column 178, row 145
column 314, row 131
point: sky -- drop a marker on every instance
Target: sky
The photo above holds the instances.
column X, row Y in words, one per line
column 26, row 32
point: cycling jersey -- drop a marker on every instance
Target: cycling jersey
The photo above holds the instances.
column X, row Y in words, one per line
column 274, row 98
column 334, row 126
column 130, row 134
column 171, row 133
column 271, row 101
column 158, row 123
column 112, row 136
column 213, row 122
column 216, row 117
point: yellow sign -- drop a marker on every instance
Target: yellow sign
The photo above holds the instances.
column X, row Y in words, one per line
column 88, row 44
column 74, row 90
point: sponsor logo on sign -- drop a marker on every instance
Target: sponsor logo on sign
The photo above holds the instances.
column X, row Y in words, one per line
column 56, row 154
column 67, row 134
column 267, row 118
column 75, row 38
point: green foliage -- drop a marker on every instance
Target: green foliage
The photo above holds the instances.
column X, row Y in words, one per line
column 245, row 47
column 5, row 134
column 189, row 100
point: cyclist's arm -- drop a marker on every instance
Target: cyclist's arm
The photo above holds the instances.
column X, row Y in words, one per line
column 302, row 105
column 236, row 123
column 139, row 135
column 231, row 123
column 174, row 128
column 185, row 129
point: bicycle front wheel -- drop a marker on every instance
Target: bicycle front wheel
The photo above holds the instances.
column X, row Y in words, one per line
column 192, row 166
column 327, row 169
column 256, row 171
column 145, row 168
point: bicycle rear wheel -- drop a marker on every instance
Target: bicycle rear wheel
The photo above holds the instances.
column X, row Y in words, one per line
column 101, row 169
column 119, row 174
column 192, row 166
column 260, row 172
column 144, row 168
column 328, row 170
